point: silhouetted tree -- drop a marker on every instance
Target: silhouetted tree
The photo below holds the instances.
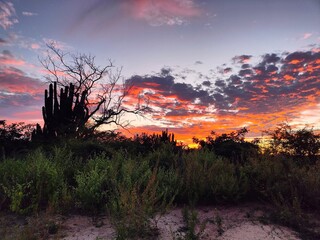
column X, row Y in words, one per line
column 299, row 143
column 90, row 95
column 230, row 145
column 14, row 137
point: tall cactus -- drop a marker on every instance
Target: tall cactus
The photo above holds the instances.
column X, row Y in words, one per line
column 66, row 117
column 167, row 137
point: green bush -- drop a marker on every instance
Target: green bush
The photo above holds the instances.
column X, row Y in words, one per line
column 32, row 183
column 92, row 185
column 227, row 182
column 208, row 178
column 135, row 195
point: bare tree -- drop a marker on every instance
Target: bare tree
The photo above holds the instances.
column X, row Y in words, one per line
column 105, row 89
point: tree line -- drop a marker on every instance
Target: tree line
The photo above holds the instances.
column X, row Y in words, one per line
column 82, row 96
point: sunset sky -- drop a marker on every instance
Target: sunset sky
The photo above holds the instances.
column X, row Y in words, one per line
column 204, row 64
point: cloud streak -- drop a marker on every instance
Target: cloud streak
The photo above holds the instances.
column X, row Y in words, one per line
column 7, row 15
column 153, row 12
column 166, row 12
column 29, row 14
column 6, row 58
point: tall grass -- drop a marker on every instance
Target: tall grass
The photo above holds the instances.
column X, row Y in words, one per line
column 132, row 188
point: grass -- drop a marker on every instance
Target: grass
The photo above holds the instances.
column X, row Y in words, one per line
column 133, row 187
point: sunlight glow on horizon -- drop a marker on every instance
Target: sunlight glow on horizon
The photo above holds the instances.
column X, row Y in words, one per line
column 204, row 65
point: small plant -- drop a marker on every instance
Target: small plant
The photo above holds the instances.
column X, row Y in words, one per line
column 52, row 227
column 218, row 221
column 194, row 229
column 136, row 195
column 17, row 195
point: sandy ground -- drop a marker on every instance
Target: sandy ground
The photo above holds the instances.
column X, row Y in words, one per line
column 221, row 223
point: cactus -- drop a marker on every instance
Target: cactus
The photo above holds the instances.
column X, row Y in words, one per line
column 166, row 137
column 66, row 117
column 154, row 141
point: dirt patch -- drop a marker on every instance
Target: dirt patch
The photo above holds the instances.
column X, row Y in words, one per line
column 221, row 223
column 225, row 223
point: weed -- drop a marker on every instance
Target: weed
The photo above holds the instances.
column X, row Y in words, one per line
column 218, row 221
column 194, row 229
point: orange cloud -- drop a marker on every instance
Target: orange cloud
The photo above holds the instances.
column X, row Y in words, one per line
column 288, row 77
column 279, row 88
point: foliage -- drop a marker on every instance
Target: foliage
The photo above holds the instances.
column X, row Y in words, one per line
column 91, row 190
column 230, row 145
column 113, row 177
column 298, row 143
column 150, row 142
column 31, row 184
column 14, row 138
column 209, row 178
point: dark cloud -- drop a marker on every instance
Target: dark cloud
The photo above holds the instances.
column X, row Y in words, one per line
column 271, row 68
column 234, row 79
column 270, row 58
column 10, row 101
column 244, row 66
column 220, row 83
column 166, row 71
column 301, row 56
column 227, row 70
column 206, row 83
column 6, row 54
column 167, row 87
column 245, row 72
column 198, row 63
column 2, row 41
column 241, row 59
column 169, row 94
column 276, row 83
column 180, row 112
column 277, row 87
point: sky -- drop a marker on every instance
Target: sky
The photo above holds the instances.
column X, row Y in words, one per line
column 205, row 65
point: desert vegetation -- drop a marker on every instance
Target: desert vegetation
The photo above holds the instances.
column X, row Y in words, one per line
column 131, row 180
column 68, row 165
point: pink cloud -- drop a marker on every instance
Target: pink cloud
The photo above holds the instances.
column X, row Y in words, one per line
column 14, row 81
column 165, row 12
column 6, row 58
column 306, row 36
column 35, row 46
column 34, row 115
column 7, row 15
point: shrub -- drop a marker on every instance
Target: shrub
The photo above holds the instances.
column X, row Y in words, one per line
column 135, row 196
column 47, row 180
column 208, row 178
column 92, row 185
column 31, row 184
